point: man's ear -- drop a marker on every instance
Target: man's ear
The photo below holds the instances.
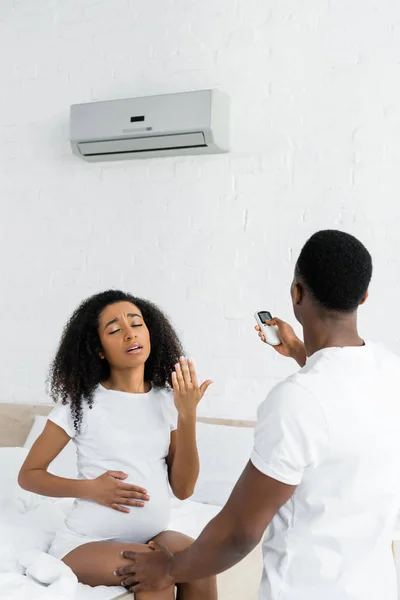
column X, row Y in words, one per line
column 297, row 293
column 364, row 298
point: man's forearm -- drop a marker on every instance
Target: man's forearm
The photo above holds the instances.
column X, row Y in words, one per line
column 219, row 547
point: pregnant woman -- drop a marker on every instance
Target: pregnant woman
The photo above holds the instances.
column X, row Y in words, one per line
column 128, row 400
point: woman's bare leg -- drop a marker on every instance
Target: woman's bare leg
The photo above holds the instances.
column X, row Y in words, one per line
column 95, row 563
column 202, row 589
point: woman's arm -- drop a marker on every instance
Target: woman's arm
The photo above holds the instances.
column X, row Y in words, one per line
column 108, row 489
column 183, row 458
column 33, row 475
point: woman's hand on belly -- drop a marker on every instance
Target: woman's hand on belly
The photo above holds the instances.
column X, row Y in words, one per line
column 110, row 490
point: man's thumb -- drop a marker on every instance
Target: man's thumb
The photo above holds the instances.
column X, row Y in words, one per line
column 159, row 547
column 275, row 321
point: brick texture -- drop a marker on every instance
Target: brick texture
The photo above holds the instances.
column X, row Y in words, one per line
column 315, row 143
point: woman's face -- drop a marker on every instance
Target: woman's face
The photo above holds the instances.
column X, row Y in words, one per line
column 124, row 336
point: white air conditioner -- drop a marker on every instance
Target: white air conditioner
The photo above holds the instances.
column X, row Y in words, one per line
column 166, row 125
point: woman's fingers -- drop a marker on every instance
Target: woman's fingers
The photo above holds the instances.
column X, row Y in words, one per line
column 117, row 474
column 119, row 508
column 175, row 383
column 179, row 376
column 185, row 372
column 122, row 504
column 128, row 502
column 130, row 487
column 133, row 488
column 133, row 495
column 204, row 386
column 184, row 377
column 192, row 372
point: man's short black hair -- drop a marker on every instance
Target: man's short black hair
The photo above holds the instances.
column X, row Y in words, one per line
column 336, row 268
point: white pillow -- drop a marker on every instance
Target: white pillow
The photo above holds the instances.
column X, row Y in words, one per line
column 11, row 494
column 36, row 429
column 11, row 460
column 64, row 465
column 224, row 452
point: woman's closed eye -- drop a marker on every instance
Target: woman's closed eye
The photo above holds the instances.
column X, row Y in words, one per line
column 119, row 329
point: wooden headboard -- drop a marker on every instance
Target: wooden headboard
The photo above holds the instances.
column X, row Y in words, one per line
column 16, row 421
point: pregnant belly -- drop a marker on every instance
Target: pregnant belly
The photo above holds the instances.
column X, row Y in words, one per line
column 138, row 526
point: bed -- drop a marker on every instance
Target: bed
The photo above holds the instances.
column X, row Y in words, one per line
column 28, row 522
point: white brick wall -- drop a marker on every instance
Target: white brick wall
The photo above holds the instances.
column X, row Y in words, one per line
column 316, row 143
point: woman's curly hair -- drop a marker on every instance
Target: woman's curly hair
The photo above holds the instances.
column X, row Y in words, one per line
column 77, row 368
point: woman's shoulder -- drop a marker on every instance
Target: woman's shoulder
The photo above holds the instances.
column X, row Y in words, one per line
column 166, row 398
column 67, row 415
column 164, row 392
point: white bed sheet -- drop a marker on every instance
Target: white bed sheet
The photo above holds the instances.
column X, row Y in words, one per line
column 26, row 531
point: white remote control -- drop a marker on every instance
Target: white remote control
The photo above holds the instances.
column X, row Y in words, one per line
column 270, row 331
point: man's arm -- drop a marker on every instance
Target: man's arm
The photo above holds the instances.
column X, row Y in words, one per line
column 291, row 434
column 238, row 528
column 226, row 540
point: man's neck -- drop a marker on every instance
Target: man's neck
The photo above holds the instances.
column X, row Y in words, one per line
column 337, row 331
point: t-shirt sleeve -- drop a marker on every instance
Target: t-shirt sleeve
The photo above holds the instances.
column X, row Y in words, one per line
column 171, row 412
column 61, row 415
column 291, row 434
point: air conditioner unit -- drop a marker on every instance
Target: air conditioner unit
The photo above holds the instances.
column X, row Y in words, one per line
column 166, row 125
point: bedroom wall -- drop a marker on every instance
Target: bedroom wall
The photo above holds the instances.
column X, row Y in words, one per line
column 315, row 144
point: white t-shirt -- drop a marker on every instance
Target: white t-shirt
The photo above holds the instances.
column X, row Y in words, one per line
column 129, row 433
column 333, row 429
